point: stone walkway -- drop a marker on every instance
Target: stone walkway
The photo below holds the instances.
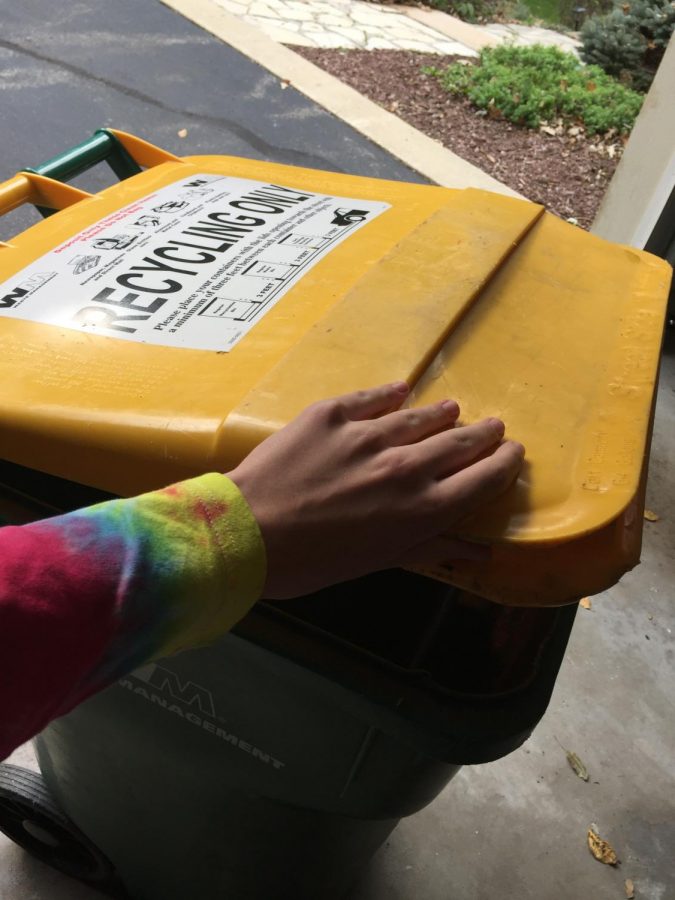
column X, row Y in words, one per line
column 526, row 35
column 353, row 24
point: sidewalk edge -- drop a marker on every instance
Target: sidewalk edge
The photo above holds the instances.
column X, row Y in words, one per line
column 453, row 28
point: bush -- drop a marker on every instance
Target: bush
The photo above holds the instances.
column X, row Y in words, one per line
column 531, row 85
column 468, row 10
column 630, row 41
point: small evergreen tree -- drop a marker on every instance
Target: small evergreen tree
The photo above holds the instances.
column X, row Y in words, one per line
column 630, row 41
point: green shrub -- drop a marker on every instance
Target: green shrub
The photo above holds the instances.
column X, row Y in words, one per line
column 464, row 9
column 468, row 10
column 630, row 41
column 522, row 13
column 531, row 85
column 572, row 13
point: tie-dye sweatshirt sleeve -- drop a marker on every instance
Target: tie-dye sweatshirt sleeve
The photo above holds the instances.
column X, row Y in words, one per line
column 89, row 596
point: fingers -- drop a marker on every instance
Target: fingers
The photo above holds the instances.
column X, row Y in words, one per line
column 368, row 404
column 452, row 450
column 466, row 491
column 407, row 426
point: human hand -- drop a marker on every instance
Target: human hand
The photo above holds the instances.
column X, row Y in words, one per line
column 355, row 484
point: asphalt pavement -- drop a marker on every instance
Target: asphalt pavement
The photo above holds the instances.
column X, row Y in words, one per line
column 70, row 68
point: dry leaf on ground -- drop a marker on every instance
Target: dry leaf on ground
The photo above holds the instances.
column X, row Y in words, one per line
column 576, row 765
column 601, row 850
column 182, row 132
column 651, row 516
column 586, row 603
column 630, row 890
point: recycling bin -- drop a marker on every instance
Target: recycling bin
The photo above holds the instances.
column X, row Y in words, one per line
column 168, row 324
column 274, row 763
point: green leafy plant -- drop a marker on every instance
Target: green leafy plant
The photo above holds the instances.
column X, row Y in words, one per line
column 560, row 13
column 629, row 42
column 522, row 12
column 465, row 9
column 533, row 85
column 468, row 10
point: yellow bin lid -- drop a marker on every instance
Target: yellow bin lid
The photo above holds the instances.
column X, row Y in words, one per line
column 168, row 324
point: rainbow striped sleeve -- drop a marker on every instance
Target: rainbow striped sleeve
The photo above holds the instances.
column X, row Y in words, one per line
column 89, row 596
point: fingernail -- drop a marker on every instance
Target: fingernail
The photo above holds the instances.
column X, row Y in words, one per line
column 401, row 386
column 498, row 425
column 451, row 406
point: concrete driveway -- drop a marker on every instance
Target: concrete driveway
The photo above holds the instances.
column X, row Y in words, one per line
column 516, row 829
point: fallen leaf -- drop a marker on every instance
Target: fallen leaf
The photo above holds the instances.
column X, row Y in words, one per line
column 576, row 765
column 591, row 86
column 600, row 849
column 630, row 890
column 548, row 130
column 284, row 83
column 651, row 516
column 586, row 603
column 182, row 133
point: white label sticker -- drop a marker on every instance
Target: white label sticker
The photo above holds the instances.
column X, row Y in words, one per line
column 195, row 264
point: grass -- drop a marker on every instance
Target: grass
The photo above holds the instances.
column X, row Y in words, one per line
column 546, row 10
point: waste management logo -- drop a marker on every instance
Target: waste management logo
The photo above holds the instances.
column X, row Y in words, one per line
column 192, row 702
column 25, row 289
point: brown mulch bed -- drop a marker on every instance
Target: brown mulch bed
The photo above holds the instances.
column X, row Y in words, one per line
column 567, row 173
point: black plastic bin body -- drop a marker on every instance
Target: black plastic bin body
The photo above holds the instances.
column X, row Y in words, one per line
column 272, row 764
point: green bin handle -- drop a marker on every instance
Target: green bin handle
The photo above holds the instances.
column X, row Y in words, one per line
column 102, row 146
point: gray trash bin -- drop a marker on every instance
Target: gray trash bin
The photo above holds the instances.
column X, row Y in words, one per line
column 274, row 763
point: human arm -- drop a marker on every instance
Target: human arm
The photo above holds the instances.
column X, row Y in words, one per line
column 365, row 486
column 353, row 485
column 89, row 596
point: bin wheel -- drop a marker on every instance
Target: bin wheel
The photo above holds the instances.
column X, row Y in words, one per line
column 30, row 817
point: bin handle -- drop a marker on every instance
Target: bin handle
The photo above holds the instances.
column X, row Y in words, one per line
column 45, row 193
column 43, row 185
column 101, row 146
column 124, row 153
